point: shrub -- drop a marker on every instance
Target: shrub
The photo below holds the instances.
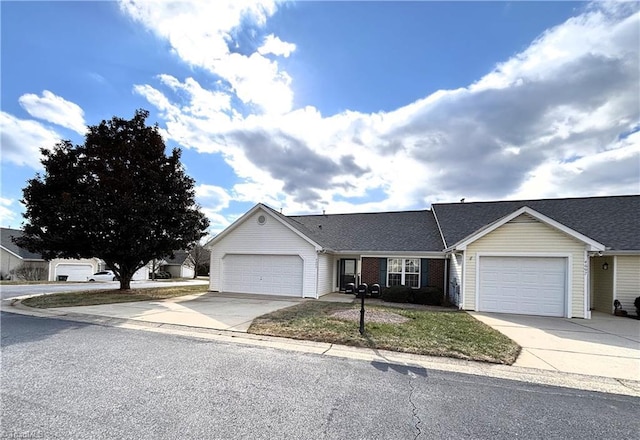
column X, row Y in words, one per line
column 29, row 272
column 398, row 294
column 402, row 294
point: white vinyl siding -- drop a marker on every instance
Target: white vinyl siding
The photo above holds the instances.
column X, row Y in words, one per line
column 141, row 274
column 627, row 273
column 271, row 238
column 8, row 262
column 525, row 236
column 325, row 274
column 602, row 284
column 455, row 278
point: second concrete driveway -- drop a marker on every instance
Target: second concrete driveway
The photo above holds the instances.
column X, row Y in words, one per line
column 208, row 310
column 605, row 345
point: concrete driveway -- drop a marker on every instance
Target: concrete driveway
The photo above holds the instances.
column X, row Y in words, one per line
column 605, row 345
column 207, row 310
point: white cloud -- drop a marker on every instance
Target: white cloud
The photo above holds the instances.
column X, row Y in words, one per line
column 54, row 109
column 200, row 34
column 213, row 197
column 274, row 45
column 22, row 140
column 550, row 121
column 8, row 217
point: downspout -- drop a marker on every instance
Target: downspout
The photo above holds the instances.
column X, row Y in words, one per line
column 463, row 271
column 615, row 279
column 317, row 273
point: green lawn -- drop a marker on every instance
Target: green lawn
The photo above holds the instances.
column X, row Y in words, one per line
column 95, row 297
column 437, row 333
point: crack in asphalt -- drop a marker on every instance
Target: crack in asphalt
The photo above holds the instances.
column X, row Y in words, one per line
column 414, row 408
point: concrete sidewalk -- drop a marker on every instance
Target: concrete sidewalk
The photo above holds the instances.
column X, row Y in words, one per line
column 589, row 358
column 606, row 345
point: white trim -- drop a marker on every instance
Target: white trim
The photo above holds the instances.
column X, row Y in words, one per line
column 463, row 279
column 12, row 253
column 444, row 242
column 592, row 244
column 611, row 253
column 615, row 280
column 396, row 254
column 568, row 273
column 586, row 294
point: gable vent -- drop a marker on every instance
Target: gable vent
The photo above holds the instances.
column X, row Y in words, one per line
column 524, row 218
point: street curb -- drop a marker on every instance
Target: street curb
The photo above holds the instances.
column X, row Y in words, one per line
column 509, row 372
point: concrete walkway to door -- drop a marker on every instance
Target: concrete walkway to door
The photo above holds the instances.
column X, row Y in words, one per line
column 606, row 345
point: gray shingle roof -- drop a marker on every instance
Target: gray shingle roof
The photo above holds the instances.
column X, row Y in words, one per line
column 408, row 231
column 612, row 221
column 179, row 257
column 8, row 244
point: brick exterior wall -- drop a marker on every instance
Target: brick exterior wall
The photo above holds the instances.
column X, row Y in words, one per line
column 436, row 273
column 370, row 271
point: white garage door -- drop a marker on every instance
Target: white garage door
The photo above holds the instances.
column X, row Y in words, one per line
column 266, row 274
column 523, row 285
column 74, row 272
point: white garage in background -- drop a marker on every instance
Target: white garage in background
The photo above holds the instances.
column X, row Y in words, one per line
column 263, row 274
column 522, row 285
column 74, row 271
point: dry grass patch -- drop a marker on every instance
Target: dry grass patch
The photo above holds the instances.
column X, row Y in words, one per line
column 95, row 297
column 437, row 333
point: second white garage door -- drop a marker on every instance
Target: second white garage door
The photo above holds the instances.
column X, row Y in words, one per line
column 74, row 272
column 523, row 285
column 263, row 274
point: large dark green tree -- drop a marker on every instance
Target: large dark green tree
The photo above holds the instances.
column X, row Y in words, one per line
column 117, row 197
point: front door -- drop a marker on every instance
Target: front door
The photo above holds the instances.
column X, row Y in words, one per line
column 346, row 272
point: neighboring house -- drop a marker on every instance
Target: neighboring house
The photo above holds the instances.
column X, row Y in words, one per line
column 556, row 257
column 13, row 257
column 180, row 266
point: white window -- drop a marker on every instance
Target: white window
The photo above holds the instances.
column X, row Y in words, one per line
column 403, row 271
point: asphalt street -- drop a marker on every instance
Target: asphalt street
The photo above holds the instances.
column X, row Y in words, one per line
column 71, row 380
column 12, row 291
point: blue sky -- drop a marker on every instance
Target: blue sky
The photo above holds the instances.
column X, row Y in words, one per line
column 341, row 106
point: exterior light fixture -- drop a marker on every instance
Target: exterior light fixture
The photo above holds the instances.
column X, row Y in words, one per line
column 605, row 266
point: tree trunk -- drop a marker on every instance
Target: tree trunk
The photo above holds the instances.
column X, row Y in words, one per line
column 126, row 273
column 125, row 282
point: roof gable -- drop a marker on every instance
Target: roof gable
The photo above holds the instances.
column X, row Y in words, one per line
column 594, row 245
column 272, row 213
column 7, row 244
column 611, row 221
